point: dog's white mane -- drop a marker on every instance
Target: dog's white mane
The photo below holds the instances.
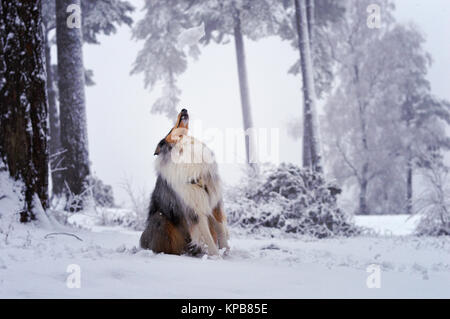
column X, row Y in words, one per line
column 191, row 170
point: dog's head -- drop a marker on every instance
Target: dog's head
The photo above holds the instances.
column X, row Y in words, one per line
column 175, row 134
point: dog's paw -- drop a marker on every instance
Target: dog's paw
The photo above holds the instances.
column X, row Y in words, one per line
column 213, row 257
column 194, row 249
column 225, row 251
column 213, row 250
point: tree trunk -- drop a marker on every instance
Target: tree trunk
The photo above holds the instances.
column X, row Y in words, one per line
column 409, row 159
column 243, row 87
column 307, row 163
column 364, row 180
column 306, row 124
column 23, row 100
column 409, row 181
column 309, row 94
column 310, row 16
column 363, row 209
column 53, row 118
column 72, row 107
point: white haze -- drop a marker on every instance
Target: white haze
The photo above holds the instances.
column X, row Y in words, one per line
column 123, row 133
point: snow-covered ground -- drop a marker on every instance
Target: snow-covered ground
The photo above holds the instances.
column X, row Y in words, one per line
column 389, row 224
column 112, row 267
column 34, row 264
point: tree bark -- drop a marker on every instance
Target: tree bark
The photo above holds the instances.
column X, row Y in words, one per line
column 72, row 106
column 53, row 118
column 244, row 92
column 364, row 180
column 409, row 172
column 363, row 209
column 306, row 124
column 310, row 16
column 409, row 159
column 23, row 100
column 307, row 163
column 309, row 94
column 409, row 188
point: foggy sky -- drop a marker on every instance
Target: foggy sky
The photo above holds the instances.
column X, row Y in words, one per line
column 123, row 133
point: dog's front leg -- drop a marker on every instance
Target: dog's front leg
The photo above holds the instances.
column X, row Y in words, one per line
column 222, row 235
column 200, row 235
column 221, row 226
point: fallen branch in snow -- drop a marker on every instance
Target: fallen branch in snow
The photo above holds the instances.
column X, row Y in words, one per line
column 67, row 234
column 2, row 196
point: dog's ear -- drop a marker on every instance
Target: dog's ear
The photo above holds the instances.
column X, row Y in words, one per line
column 159, row 146
column 158, row 150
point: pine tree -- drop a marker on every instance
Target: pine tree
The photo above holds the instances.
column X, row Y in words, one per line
column 321, row 17
column 240, row 19
column 98, row 17
column 23, row 100
column 421, row 112
column 162, row 60
column 243, row 87
column 72, row 105
column 425, row 119
column 310, row 16
column 49, row 23
column 311, row 137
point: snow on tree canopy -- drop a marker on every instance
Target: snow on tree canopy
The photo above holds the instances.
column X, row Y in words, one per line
column 290, row 198
column 174, row 30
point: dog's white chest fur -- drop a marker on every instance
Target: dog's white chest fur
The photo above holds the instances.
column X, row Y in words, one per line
column 191, row 170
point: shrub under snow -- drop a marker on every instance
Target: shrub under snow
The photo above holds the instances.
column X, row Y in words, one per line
column 101, row 193
column 434, row 205
column 292, row 199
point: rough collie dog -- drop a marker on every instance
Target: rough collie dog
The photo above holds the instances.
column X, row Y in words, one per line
column 186, row 208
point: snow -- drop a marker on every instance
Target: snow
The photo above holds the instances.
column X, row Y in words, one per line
column 389, row 224
column 112, row 267
column 34, row 264
column 191, row 36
